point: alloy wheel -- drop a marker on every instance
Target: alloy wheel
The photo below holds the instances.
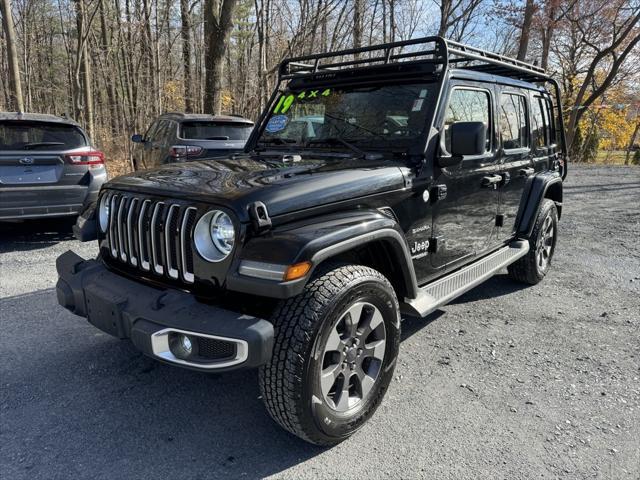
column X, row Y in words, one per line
column 353, row 356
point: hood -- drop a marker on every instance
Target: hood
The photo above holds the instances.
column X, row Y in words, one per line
column 282, row 187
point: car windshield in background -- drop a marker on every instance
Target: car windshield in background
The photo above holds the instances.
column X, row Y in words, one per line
column 377, row 117
column 215, row 131
column 23, row 135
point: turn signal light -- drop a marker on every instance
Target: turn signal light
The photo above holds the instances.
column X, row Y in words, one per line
column 296, row 271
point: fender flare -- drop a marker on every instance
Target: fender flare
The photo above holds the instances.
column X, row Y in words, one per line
column 538, row 187
column 317, row 240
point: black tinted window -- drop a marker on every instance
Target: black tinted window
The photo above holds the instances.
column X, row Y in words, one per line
column 466, row 105
column 24, row 135
column 513, row 121
column 549, row 128
column 538, row 119
column 215, row 131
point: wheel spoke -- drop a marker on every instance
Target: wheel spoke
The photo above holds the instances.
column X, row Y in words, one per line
column 375, row 349
column 352, row 318
column 343, row 400
column 334, row 342
column 329, row 377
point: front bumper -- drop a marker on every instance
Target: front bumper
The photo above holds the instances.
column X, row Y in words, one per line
column 150, row 317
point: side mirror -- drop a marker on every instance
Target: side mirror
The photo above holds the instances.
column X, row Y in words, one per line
column 137, row 138
column 468, row 138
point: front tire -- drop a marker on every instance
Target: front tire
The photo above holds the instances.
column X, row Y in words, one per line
column 533, row 267
column 334, row 354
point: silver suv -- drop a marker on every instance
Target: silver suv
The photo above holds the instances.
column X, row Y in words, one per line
column 48, row 167
column 181, row 137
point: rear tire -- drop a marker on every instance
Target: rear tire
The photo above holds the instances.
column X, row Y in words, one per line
column 334, row 354
column 533, row 267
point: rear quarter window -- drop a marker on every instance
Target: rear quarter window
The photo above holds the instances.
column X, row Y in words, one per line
column 24, row 135
column 215, row 131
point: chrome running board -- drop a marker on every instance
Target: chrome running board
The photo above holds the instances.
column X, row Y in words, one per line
column 440, row 292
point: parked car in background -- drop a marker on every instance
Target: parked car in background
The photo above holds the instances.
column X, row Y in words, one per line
column 48, row 167
column 180, row 137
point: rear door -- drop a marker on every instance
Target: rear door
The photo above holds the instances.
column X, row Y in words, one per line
column 465, row 212
column 516, row 163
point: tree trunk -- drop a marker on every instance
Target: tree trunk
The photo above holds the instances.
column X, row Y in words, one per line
column 15, row 86
column 632, row 141
column 445, row 12
column 185, row 33
column 218, row 22
column 357, row 24
column 82, row 77
column 526, row 30
column 112, row 97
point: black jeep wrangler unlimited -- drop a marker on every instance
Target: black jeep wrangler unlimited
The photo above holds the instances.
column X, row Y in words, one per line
column 379, row 182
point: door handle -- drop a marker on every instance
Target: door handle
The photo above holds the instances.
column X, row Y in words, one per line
column 491, row 180
column 526, row 172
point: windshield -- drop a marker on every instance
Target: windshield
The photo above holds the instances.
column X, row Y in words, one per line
column 25, row 135
column 215, row 131
column 369, row 117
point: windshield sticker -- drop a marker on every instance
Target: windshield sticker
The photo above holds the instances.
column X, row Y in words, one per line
column 277, row 123
column 286, row 101
column 417, row 105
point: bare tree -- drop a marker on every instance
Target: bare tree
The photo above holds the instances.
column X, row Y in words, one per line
column 617, row 36
column 15, row 85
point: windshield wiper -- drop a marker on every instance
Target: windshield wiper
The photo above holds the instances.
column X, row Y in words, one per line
column 276, row 141
column 28, row 146
column 337, row 140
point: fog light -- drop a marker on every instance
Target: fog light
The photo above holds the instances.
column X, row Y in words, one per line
column 185, row 343
column 181, row 345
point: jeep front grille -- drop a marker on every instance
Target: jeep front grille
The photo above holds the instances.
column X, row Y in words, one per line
column 154, row 236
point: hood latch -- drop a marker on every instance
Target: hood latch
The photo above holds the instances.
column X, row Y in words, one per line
column 259, row 217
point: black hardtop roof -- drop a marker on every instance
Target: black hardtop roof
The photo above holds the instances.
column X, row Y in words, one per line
column 37, row 117
column 182, row 117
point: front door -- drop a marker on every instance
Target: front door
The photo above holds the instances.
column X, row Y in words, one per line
column 466, row 199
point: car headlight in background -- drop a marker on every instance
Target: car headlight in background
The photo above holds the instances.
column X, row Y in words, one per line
column 103, row 212
column 214, row 236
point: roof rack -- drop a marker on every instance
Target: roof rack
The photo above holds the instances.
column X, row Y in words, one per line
column 441, row 52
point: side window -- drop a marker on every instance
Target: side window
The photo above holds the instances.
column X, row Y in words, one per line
column 467, row 105
column 161, row 131
column 549, row 128
column 150, row 134
column 513, row 121
column 538, row 128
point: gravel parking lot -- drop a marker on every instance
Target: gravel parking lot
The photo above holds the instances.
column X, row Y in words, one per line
column 508, row 382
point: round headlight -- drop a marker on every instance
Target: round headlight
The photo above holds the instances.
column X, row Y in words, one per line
column 222, row 232
column 103, row 212
column 214, row 236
